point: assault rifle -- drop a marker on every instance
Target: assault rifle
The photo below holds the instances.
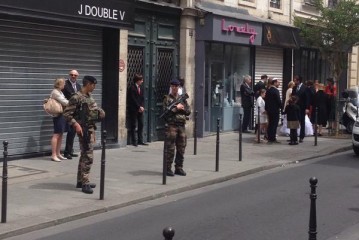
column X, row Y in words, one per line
column 174, row 104
column 84, row 111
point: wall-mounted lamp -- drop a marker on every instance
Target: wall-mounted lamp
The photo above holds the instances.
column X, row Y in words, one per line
column 201, row 21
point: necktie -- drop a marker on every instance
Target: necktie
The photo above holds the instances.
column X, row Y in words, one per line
column 74, row 86
column 139, row 90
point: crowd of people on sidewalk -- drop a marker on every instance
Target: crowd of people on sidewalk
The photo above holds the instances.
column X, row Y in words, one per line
column 305, row 106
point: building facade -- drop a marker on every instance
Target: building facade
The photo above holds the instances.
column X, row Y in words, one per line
column 211, row 44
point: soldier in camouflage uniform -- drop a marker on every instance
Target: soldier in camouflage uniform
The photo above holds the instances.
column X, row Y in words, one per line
column 83, row 120
column 176, row 131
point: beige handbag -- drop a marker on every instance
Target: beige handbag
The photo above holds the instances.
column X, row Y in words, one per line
column 53, row 107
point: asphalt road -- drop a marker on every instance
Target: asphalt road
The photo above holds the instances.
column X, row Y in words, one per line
column 270, row 205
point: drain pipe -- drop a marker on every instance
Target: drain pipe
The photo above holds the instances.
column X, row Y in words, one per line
column 291, row 10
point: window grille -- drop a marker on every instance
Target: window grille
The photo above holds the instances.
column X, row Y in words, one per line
column 275, row 3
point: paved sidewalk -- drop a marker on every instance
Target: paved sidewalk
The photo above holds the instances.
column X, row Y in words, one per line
column 42, row 193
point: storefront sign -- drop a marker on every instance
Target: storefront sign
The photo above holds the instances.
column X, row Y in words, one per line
column 280, row 36
column 109, row 13
column 242, row 29
column 231, row 30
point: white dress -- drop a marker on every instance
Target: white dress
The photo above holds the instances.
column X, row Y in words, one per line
column 284, row 130
column 261, row 104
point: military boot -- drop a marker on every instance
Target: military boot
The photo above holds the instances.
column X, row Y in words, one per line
column 87, row 189
column 180, row 171
column 170, row 173
column 79, row 185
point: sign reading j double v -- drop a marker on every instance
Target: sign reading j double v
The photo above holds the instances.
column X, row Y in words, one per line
column 110, row 13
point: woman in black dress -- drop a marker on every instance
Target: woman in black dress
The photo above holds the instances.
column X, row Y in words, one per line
column 320, row 101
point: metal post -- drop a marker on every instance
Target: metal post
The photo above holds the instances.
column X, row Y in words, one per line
column 259, row 126
column 164, row 170
column 103, row 164
column 4, row 185
column 168, row 233
column 217, row 146
column 313, row 211
column 195, row 133
column 240, row 138
column 316, row 127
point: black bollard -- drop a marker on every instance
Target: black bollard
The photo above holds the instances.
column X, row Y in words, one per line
column 168, row 233
column 316, row 127
column 164, row 170
column 259, row 126
column 217, row 146
column 313, row 210
column 4, row 185
column 240, row 138
column 195, row 133
column 103, row 164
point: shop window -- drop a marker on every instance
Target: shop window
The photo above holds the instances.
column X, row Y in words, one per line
column 250, row 1
column 225, row 67
column 275, row 4
column 237, row 64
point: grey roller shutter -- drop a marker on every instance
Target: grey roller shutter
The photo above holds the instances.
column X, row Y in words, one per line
column 269, row 61
column 32, row 56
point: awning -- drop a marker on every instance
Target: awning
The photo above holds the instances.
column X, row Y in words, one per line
column 280, row 36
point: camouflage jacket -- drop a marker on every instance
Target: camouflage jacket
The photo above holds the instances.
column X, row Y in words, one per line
column 179, row 116
column 73, row 110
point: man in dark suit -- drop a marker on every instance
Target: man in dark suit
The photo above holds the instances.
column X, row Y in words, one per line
column 272, row 107
column 301, row 91
column 261, row 84
column 247, row 102
column 135, row 107
column 71, row 87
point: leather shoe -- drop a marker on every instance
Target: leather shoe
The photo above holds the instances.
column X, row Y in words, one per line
column 79, row 185
column 142, row 143
column 170, row 173
column 180, row 171
column 74, row 155
column 68, row 156
column 134, row 144
column 246, row 131
column 301, row 140
column 87, row 189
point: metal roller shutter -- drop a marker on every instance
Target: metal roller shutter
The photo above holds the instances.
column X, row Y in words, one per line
column 32, row 56
column 269, row 61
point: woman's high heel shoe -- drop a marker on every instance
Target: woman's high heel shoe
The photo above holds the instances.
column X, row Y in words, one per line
column 55, row 159
column 61, row 157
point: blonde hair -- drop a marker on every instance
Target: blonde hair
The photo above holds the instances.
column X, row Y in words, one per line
column 58, row 81
column 291, row 84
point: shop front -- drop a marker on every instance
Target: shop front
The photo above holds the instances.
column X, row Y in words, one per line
column 225, row 50
column 40, row 42
column 275, row 57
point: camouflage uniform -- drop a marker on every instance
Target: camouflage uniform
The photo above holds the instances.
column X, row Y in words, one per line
column 175, row 133
column 72, row 115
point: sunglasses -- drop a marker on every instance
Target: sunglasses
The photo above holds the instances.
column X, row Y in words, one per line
column 73, row 75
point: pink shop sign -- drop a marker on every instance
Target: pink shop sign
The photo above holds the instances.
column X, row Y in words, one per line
column 244, row 29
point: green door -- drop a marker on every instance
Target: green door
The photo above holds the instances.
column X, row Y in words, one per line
column 153, row 52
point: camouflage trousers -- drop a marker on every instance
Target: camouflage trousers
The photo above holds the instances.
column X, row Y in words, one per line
column 175, row 139
column 86, row 158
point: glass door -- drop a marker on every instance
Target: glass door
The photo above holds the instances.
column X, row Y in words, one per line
column 216, row 94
